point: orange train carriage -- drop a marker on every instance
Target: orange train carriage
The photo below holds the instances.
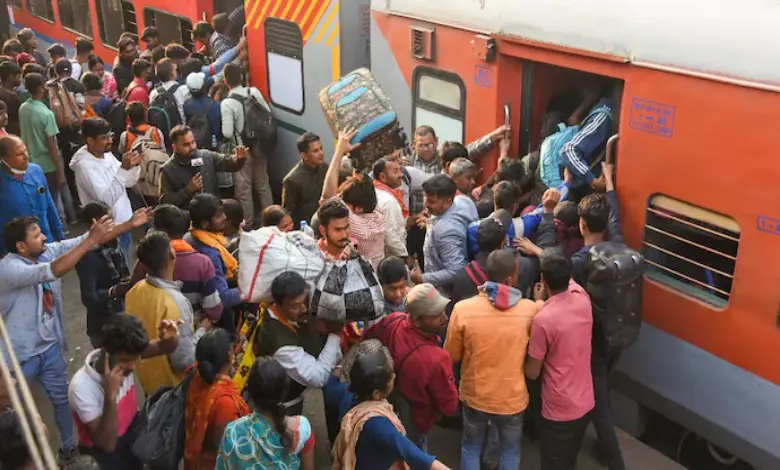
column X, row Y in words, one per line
column 103, row 21
column 697, row 180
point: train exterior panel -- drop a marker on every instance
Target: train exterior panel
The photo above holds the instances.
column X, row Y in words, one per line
column 695, row 177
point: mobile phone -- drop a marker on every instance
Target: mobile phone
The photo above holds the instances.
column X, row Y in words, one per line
column 101, row 365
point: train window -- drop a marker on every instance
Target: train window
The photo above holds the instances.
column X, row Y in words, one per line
column 691, row 249
column 114, row 18
column 74, row 15
column 15, row 3
column 439, row 101
column 41, row 9
column 172, row 28
column 284, row 56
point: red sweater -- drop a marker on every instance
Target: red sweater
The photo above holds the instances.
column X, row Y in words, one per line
column 423, row 369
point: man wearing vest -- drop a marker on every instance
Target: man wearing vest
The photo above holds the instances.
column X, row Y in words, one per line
column 288, row 334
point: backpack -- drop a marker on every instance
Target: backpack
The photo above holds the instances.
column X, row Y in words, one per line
column 614, row 281
column 153, row 157
column 259, row 123
column 117, row 116
column 164, row 112
column 200, row 124
column 66, row 112
column 161, row 432
column 550, row 151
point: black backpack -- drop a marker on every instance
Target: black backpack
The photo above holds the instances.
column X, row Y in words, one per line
column 164, row 112
column 200, row 123
column 259, row 124
column 614, row 281
column 161, row 428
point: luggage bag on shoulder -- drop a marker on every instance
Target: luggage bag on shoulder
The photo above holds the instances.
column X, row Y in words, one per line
column 614, row 281
column 357, row 101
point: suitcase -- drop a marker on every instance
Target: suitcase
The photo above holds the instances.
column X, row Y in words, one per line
column 356, row 100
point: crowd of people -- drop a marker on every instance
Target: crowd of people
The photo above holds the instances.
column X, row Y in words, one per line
column 484, row 286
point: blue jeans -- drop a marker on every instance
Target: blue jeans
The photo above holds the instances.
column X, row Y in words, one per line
column 52, row 371
column 126, row 245
column 510, row 434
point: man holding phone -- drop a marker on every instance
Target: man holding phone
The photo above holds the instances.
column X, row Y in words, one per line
column 193, row 170
column 102, row 392
column 101, row 177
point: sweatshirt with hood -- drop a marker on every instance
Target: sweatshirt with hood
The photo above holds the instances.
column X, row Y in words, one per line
column 446, row 245
column 104, row 179
column 488, row 334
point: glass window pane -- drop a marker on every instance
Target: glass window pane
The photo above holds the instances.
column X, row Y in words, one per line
column 74, row 14
column 114, row 18
column 41, row 8
column 438, row 91
column 447, row 127
column 691, row 249
column 171, row 28
column 284, row 54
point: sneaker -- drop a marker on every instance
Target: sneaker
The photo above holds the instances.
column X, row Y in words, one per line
column 64, row 457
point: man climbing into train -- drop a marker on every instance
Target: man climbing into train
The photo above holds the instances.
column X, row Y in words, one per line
column 589, row 142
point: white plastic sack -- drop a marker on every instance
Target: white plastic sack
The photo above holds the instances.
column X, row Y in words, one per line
column 347, row 291
column 266, row 253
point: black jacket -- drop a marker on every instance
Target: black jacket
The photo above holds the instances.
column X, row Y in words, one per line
column 96, row 277
column 175, row 175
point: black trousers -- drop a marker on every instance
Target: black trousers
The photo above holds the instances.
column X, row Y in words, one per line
column 561, row 442
column 607, row 447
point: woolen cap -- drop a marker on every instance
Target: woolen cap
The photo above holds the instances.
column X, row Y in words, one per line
column 425, row 300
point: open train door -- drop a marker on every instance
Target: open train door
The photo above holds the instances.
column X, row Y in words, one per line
column 295, row 50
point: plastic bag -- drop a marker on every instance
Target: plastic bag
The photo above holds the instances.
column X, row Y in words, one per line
column 268, row 252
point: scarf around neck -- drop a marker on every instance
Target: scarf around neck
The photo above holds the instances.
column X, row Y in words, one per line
column 218, row 242
column 397, row 194
column 344, row 457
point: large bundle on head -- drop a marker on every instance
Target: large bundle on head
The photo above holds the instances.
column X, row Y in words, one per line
column 357, row 101
column 267, row 252
column 347, row 290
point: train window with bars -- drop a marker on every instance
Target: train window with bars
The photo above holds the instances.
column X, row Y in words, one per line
column 172, row 28
column 114, row 18
column 42, row 9
column 284, row 56
column 439, row 101
column 691, row 249
column 74, row 15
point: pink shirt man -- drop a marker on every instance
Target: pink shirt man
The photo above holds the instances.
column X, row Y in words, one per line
column 560, row 337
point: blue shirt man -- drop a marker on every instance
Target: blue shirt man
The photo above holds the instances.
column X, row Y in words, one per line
column 24, row 190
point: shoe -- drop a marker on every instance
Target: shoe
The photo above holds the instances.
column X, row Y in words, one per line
column 64, row 457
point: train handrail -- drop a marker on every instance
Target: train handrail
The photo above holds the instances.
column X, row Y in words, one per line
column 39, row 448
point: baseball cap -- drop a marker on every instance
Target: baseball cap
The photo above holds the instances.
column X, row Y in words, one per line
column 425, row 300
column 195, row 81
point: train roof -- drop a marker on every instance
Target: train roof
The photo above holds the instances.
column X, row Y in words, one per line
column 723, row 37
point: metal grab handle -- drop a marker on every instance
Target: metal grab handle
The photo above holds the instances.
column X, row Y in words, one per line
column 612, row 149
column 506, row 115
column 608, row 155
column 40, row 451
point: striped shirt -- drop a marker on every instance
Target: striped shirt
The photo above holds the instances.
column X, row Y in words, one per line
column 367, row 231
column 417, row 198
